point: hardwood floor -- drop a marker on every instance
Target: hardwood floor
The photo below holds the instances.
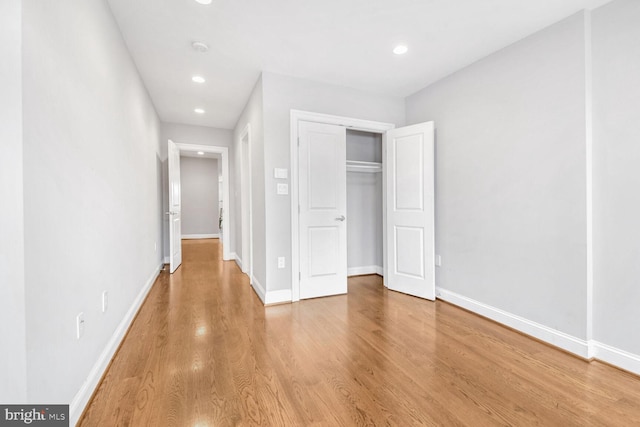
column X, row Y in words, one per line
column 204, row 352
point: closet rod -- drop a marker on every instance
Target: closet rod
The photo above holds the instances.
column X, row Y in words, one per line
column 357, row 166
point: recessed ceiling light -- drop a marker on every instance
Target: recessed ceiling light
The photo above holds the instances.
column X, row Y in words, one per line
column 200, row 46
column 198, row 79
column 400, row 49
column 204, row 1
column 199, row 110
column 200, row 153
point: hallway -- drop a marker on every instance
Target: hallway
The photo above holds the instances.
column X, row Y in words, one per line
column 204, row 352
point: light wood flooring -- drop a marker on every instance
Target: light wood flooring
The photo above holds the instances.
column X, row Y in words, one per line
column 203, row 352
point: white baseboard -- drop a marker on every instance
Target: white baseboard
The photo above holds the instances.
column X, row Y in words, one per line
column 199, row 236
column 167, row 260
column 614, row 356
column 237, row 259
column 277, row 297
column 361, row 271
column 270, row 297
column 259, row 289
column 554, row 337
column 83, row 395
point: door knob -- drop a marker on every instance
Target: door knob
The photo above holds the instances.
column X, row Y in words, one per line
column 341, row 218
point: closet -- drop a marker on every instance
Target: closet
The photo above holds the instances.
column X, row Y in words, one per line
column 364, row 203
column 338, row 211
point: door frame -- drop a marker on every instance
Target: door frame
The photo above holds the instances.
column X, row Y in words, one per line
column 246, row 196
column 350, row 123
column 224, row 154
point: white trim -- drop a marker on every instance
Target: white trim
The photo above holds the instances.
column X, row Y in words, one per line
column 279, row 296
column 296, row 117
column 237, row 259
column 361, row 271
column 92, row 381
column 620, row 358
column 167, row 260
column 246, row 199
column 554, row 337
column 589, row 172
column 259, row 289
column 200, row 236
column 224, row 154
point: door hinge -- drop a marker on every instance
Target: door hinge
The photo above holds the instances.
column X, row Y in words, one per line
column 299, row 276
column 298, row 208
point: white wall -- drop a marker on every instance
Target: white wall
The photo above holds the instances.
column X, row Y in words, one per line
column 364, row 204
column 199, row 135
column 511, row 178
column 199, row 196
column 253, row 114
column 616, row 70
column 281, row 95
column 91, row 191
column 13, row 361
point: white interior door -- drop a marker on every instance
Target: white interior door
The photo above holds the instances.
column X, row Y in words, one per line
column 409, row 166
column 175, row 231
column 323, row 206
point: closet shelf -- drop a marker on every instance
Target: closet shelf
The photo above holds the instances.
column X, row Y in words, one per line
column 357, row 166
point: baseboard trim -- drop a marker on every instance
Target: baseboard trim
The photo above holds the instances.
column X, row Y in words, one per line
column 544, row 333
column 82, row 397
column 368, row 269
column 616, row 357
column 270, row 297
column 259, row 289
column 167, row 260
column 199, row 236
column 278, row 297
column 236, row 258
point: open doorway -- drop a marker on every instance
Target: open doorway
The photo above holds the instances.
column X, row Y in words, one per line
column 175, row 234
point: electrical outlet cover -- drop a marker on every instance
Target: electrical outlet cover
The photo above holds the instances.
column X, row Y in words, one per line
column 105, row 301
column 79, row 325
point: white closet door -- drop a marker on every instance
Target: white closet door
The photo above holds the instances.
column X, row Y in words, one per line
column 409, row 165
column 323, row 206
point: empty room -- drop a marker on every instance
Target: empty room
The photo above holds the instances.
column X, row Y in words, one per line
column 334, row 213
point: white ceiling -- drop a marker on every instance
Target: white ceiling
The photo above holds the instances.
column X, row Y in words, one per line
column 344, row 42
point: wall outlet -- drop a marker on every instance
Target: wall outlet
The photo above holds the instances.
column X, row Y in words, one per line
column 105, row 301
column 280, row 262
column 438, row 260
column 79, row 325
column 282, row 189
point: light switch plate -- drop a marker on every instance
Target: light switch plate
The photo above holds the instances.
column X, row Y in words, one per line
column 280, row 173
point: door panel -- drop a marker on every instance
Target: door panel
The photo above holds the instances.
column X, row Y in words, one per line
column 410, row 253
column 410, row 210
column 323, row 204
column 322, row 254
column 175, row 230
column 409, row 169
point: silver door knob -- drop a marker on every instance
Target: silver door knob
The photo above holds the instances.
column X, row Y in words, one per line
column 341, row 218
